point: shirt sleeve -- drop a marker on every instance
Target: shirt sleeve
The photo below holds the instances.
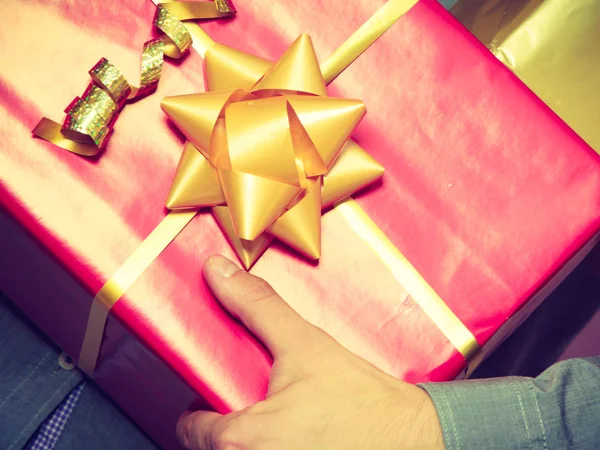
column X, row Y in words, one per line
column 560, row 409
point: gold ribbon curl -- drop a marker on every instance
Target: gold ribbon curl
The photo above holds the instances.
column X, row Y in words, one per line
column 90, row 119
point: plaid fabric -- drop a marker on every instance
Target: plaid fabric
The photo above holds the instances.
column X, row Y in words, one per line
column 47, row 435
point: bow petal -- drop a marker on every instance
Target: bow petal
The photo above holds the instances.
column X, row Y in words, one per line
column 300, row 226
column 255, row 202
column 247, row 251
column 196, row 183
column 229, row 68
column 260, row 141
column 196, row 115
column 352, row 171
column 296, row 71
column 328, row 121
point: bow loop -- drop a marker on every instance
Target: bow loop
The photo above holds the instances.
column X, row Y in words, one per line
column 260, row 141
column 196, row 115
column 255, row 202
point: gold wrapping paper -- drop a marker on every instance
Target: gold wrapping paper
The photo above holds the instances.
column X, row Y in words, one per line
column 553, row 46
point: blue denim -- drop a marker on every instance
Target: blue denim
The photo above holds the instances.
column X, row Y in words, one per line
column 560, row 409
column 531, row 406
column 97, row 423
column 33, row 384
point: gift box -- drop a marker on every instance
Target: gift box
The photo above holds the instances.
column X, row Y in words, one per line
column 472, row 225
column 552, row 46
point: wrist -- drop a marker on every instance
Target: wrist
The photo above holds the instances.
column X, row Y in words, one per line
column 415, row 421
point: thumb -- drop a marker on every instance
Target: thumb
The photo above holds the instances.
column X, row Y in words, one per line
column 257, row 305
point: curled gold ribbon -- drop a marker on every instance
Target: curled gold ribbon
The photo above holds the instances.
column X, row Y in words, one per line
column 332, row 193
column 90, row 119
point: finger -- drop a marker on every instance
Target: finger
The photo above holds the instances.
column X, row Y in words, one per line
column 257, row 305
column 195, row 428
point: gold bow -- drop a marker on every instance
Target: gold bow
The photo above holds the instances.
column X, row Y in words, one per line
column 90, row 119
column 267, row 142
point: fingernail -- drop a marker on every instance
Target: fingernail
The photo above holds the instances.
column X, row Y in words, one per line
column 223, row 266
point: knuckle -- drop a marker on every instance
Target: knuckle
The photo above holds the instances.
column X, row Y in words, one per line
column 224, row 437
column 185, row 432
column 258, row 290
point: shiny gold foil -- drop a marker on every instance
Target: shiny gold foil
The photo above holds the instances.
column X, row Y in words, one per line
column 109, row 79
column 264, row 149
column 553, row 46
column 85, row 122
column 89, row 122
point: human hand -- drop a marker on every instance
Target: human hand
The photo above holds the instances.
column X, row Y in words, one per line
column 320, row 395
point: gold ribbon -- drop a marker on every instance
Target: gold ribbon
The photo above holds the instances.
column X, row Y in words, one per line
column 207, row 169
column 90, row 119
column 364, row 37
column 122, row 279
column 419, row 290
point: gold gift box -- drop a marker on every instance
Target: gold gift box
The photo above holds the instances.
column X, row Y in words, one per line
column 552, row 45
